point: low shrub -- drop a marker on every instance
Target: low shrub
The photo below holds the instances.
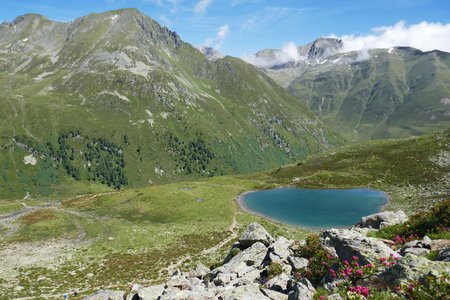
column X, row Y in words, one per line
column 273, row 270
column 428, row 287
column 319, row 260
column 434, row 223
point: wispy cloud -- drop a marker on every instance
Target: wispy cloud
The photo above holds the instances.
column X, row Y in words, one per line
column 219, row 39
column 424, row 36
column 271, row 15
column 240, row 2
column 201, row 6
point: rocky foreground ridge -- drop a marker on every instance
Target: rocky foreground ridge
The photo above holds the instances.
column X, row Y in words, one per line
column 261, row 267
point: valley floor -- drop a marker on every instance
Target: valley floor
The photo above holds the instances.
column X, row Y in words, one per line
column 113, row 239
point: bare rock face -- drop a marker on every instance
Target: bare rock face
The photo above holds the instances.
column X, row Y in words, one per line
column 303, row 290
column 382, row 219
column 413, row 267
column 106, row 295
column 255, row 233
column 298, row 263
column 348, row 243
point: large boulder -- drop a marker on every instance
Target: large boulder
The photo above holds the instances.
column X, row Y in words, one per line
column 255, row 233
column 247, row 292
column 348, row 243
column 302, row 290
column 274, row 295
column 106, row 295
column 444, row 255
column 417, row 247
column 412, row 267
column 200, row 271
column 175, row 294
column 151, row 292
column 279, row 250
column 298, row 263
column 440, row 244
column 245, row 261
column 279, row 283
column 382, row 219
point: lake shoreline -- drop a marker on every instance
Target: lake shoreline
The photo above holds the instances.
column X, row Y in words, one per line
column 241, row 203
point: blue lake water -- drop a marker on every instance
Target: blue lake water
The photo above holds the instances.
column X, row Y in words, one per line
column 315, row 208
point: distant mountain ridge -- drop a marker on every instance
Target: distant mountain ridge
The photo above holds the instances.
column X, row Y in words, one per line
column 372, row 94
column 115, row 99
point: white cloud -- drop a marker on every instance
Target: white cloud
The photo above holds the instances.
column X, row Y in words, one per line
column 224, row 30
column 201, row 6
column 218, row 40
column 424, row 36
column 287, row 53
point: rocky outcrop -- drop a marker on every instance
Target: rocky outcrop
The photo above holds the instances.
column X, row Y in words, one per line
column 255, row 233
column 382, row 219
column 412, row 267
column 243, row 276
column 346, row 243
column 417, row 247
column 259, row 267
column 106, row 295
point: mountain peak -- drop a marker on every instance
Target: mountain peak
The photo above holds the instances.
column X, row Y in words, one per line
column 321, row 48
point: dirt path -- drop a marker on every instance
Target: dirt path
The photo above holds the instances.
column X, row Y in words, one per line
column 7, row 220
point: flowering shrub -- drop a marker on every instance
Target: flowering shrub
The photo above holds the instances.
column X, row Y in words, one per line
column 319, row 260
column 399, row 240
column 434, row 223
column 352, row 273
column 429, row 287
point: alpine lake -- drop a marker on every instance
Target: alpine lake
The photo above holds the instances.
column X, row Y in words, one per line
column 314, row 208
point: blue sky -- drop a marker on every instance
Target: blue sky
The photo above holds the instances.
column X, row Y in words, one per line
column 241, row 27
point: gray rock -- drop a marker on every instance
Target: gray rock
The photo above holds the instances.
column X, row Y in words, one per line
column 416, row 251
column 279, row 283
column 424, row 243
column 183, row 283
column 152, row 292
column 248, row 278
column 439, row 245
column 245, row 261
column 298, row 263
column 411, row 267
column 444, row 255
column 174, row 294
column 303, row 290
column 224, row 278
column 382, row 219
column 348, row 243
column 279, row 250
column 273, row 295
column 106, row 295
column 200, row 271
column 247, row 292
column 255, row 233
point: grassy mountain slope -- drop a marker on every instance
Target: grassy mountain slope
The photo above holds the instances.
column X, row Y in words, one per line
column 414, row 171
column 387, row 93
column 133, row 235
column 114, row 99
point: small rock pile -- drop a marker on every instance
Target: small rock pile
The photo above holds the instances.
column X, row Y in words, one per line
column 245, row 273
